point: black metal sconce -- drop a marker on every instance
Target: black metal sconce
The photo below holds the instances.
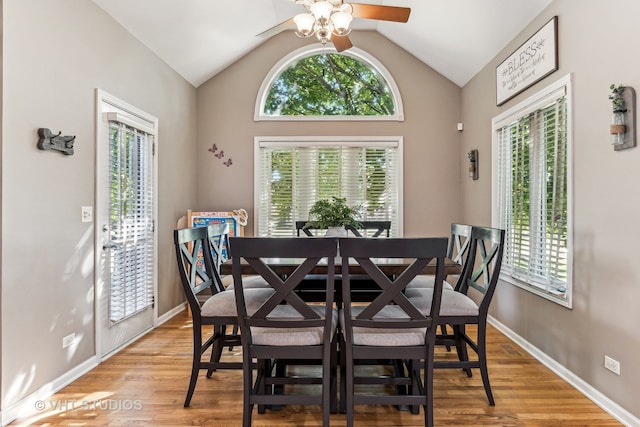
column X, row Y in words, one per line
column 49, row 141
column 623, row 121
column 473, row 164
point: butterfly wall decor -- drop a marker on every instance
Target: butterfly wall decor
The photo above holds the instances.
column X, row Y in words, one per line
column 220, row 155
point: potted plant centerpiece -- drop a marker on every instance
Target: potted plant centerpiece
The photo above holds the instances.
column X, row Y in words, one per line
column 333, row 214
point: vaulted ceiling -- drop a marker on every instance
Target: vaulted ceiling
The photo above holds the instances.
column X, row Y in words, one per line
column 200, row 38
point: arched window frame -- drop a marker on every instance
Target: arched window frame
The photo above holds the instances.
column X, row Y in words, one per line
column 312, row 50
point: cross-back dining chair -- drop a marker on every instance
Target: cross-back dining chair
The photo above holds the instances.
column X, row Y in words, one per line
column 199, row 277
column 391, row 326
column 457, row 251
column 198, row 251
column 458, row 309
column 285, row 329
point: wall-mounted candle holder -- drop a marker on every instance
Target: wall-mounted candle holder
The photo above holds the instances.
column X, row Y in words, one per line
column 473, row 164
column 623, row 119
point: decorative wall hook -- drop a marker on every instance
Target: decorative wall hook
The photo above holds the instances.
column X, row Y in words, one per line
column 623, row 120
column 49, row 141
column 473, row 164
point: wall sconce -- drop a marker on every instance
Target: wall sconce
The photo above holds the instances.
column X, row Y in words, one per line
column 623, row 120
column 473, row 164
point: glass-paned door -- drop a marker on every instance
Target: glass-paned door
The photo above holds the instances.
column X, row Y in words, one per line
column 126, row 226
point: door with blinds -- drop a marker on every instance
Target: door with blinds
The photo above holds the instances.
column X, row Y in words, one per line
column 125, row 224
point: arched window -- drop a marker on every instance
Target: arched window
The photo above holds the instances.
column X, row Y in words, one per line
column 318, row 83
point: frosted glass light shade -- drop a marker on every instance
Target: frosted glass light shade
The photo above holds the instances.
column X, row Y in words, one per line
column 304, row 22
column 341, row 21
column 321, row 10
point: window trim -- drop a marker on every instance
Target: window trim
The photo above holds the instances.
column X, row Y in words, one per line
column 312, row 50
column 294, row 141
column 533, row 103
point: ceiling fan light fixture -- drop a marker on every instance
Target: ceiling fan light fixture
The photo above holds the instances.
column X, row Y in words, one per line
column 340, row 22
column 323, row 34
column 305, row 23
column 321, row 10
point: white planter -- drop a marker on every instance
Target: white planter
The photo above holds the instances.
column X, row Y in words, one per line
column 336, row 232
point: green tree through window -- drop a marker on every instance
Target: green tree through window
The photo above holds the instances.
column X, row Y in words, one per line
column 329, row 84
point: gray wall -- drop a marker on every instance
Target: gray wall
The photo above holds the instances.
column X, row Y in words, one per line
column 55, row 54
column 431, row 142
column 598, row 44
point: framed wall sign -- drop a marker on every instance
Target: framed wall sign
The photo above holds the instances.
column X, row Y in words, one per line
column 531, row 62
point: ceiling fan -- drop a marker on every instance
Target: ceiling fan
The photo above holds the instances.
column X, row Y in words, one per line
column 329, row 20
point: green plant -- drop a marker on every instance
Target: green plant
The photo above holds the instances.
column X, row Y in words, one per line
column 616, row 98
column 333, row 212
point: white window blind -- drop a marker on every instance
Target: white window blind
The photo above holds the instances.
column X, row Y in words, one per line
column 291, row 176
column 533, row 193
column 130, row 220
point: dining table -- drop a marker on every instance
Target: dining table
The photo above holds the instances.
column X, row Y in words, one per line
column 389, row 266
column 362, row 287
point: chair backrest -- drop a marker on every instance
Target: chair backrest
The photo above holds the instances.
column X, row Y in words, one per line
column 195, row 264
column 219, row 244
column 459, row 244
column 275, row 312
column 485, row 262
column 374, row 228
column 419, row 252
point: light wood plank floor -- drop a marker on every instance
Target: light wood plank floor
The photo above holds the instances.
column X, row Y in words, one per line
column 145, row 385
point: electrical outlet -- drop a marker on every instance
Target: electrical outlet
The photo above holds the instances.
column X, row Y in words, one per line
column 87, row 213
column 68, row 340
column 612, row 365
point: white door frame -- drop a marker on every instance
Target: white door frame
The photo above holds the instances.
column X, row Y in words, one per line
column 106, row 103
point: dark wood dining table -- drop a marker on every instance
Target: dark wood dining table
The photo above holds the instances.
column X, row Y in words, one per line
column 389, row 266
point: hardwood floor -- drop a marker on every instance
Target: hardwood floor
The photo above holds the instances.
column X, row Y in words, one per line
column 145, row 384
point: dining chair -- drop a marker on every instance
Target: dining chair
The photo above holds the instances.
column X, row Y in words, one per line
column 458, row 309
column 391, row 326
column 200, row 279
column 457, row 251
column 285, row 330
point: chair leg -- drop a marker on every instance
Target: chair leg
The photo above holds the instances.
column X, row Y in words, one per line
column 482, row 359
column 443, row 331
column 216, row 347
column 349, row 387
column 195, row 363
column 461, row 346
column 343, row 377
column 428, row 388
column 413, row 370
column 333, row 368
column 247, row 376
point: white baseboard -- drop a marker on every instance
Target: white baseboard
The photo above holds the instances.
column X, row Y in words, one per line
column 611, row 407
column 28, row 407
column 170, row 314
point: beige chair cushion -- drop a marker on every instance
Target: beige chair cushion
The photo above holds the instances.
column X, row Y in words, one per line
column 453, row 303
column 424, row 281
column 383, row 336
column 292, row 336
column 223, row 304
column 248, row 282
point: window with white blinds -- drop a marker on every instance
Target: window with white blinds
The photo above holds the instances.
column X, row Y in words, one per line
column 532, row 192
column 131, row 225
column 292, row 174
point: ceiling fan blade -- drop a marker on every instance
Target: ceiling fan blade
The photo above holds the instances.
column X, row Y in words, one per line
column 341, row 42
column 383, row 13
column 276, row 29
